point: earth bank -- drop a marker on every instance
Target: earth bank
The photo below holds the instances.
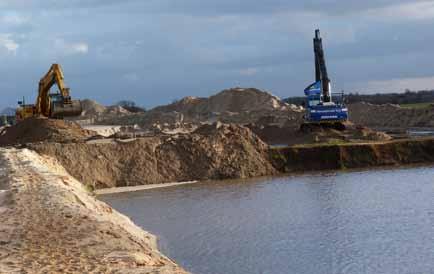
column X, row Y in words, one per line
column 49, row 223
column 211, row 152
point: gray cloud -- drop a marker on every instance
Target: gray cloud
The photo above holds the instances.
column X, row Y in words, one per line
column 155, row 51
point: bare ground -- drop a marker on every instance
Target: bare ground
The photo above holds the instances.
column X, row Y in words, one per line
column 50, row 224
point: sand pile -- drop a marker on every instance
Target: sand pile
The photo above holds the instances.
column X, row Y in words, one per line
column 91, row 107
column 211, row 152
column 42, row 129
column 236, row 105
column 229, row 100
column 50, row 223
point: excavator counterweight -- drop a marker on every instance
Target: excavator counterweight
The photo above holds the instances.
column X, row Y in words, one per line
column 52, row 105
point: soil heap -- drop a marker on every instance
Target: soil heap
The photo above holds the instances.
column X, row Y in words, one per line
column 94, row 110
column 91, row 107
column 236, row 105
column 33, row 130
column 217, row 151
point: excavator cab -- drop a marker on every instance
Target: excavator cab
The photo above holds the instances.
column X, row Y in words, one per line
column 24, row 111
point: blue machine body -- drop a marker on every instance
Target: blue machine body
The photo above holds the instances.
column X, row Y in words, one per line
column 317, row 111
column 321, row 105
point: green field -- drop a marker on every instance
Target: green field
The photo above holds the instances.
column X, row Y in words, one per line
column 418, row 105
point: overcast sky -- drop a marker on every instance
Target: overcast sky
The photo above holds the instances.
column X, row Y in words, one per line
column 155, row 51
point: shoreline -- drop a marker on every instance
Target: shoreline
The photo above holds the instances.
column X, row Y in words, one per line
column 50, row 223
column 38, row 187
column 123, row 189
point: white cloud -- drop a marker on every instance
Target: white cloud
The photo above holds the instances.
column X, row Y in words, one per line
column 408, row 11
column 248, row 71
column 8, row 44
column 398, row 85
column 71, row 48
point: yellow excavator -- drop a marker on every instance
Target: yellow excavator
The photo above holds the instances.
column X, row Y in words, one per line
column 52, row 105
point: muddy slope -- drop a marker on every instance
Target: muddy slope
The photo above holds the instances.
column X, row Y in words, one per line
column 333, row 157
column 211, row 152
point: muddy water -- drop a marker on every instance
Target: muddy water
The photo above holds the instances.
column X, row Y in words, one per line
column 358, row 222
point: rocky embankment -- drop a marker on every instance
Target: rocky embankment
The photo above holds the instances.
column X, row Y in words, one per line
column 49, row 223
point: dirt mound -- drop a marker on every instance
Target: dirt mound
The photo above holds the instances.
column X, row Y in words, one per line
column 389, row 115
column 236, row 105
column 211, row 152
column 240, row 99
column 91, row 107
column 116, row 110
column 229, row 100
column 187, row 104
column 41, row 129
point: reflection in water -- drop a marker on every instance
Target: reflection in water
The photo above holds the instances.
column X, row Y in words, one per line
column 360, row 222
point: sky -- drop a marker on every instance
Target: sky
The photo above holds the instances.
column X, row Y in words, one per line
column 156, row 51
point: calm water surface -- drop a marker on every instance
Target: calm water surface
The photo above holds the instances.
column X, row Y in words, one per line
column 359, row 222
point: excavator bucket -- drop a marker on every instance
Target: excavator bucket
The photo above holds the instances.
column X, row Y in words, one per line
column 60, row 110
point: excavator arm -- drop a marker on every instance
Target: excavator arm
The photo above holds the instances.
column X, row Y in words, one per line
column 51, row 105
column 321, row 68
column 56, row 105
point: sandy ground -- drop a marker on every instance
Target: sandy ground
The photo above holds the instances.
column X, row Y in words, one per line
column 139, row 188
column 105, row 131
column 50, row 224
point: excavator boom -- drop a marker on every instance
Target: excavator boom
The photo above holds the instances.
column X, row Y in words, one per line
column 321, row 109
column 320, row 67
column 52, row 105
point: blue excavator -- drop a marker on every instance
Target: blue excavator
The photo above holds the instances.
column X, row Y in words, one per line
column 324, row 109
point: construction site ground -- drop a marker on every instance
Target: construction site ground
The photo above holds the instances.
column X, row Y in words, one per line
column 50, row 222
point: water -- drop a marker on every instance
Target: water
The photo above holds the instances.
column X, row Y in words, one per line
column 360, row 222
column 420, row 133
